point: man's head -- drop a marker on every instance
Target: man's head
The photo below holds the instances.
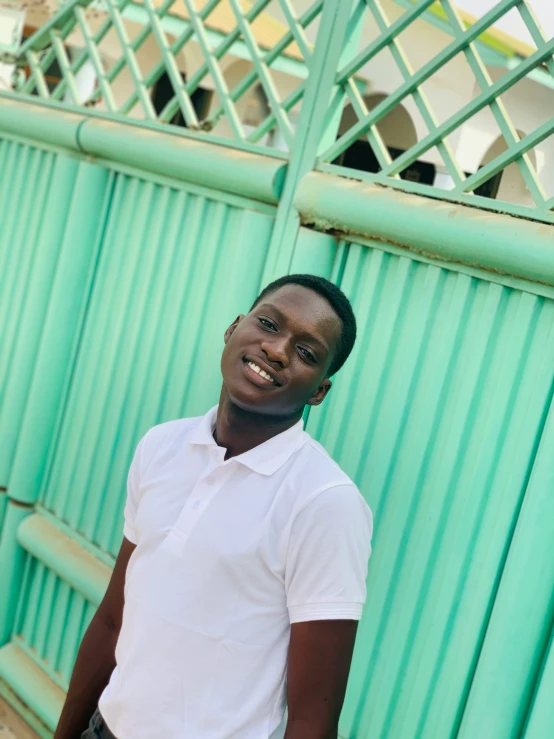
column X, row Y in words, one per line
column 280, row 356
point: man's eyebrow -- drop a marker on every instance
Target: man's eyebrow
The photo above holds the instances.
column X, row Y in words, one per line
column 273, row 308
column 321, row 344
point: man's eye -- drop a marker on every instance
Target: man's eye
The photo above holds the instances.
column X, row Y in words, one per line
column 267, row 324
column 307, row 354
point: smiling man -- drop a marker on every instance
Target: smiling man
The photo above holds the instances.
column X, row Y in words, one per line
column 241, row 577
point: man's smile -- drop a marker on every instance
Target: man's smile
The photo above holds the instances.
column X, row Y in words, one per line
column 259, row 373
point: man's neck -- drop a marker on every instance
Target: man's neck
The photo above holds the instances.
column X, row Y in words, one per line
column 238, row 430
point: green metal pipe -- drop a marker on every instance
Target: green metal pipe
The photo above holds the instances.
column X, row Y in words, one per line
column 248, row 175
column 40, row 124
column 521, row 621
column 446, row 231
column 12, row 562
column 64, row 556
column 242, row 173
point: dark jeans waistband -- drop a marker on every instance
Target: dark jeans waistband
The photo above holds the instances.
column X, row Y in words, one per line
column 97, row 728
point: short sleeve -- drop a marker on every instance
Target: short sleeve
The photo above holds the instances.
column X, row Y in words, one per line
column 328, row 553
column 131, row 503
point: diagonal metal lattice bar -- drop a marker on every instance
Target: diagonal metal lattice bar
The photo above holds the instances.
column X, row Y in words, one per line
column 171, row 67
column 498, row 109
column 94, row 56
column 419, row 96
column 427, row 71
column 173, row 105
column 476, row 105
column 263, row 73
column 250, row 78
column 130, row 46
column 96, row 40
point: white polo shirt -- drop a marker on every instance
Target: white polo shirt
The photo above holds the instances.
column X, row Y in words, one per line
column 229, row 554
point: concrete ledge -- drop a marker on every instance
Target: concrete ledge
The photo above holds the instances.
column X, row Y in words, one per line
column 433, row 228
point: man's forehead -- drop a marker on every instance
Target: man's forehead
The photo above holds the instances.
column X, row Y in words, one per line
column 293, row 296
column 310, row 312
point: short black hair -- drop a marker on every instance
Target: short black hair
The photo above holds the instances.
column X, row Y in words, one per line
column 336, row 299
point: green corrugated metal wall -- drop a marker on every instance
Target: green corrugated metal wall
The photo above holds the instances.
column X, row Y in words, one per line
column 441, row 416
column 437, row 417
column 40, row 197
column 170, row 274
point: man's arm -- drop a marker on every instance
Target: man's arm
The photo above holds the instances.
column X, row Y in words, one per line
column 319, row 661
column 96, row 657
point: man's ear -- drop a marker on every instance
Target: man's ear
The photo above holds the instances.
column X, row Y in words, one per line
column 232, row 327
column 321, row 392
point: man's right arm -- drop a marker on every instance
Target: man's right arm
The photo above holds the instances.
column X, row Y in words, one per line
column 96, row 658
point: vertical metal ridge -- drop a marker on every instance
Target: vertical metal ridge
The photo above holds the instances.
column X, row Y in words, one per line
column 143, row 271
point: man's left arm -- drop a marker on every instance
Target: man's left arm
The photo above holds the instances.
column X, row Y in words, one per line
column 325, row 579
column 319, row 661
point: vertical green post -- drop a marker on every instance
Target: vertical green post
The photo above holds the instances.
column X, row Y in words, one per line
column 521, row 621
column 329, row 48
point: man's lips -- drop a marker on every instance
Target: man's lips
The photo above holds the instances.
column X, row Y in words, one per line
column 259, row 373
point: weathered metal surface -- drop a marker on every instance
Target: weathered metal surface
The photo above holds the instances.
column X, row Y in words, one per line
column 432, row 228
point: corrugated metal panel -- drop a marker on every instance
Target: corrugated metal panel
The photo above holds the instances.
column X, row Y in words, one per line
column 51, row 621
column 36, row 190
column 541, row 713
column 172, row 272
column 437, row 417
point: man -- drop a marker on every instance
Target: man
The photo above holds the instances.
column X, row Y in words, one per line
column 241, row 576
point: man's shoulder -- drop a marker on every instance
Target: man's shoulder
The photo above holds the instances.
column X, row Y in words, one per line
column 322, row 488
column 320, row 466
column 166, row 435
column 160, row 433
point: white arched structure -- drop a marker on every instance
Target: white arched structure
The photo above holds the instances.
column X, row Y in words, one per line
column 510, row 183
column 397, row 128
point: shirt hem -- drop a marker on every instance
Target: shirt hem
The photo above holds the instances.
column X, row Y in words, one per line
column 129, row 534
column 325, row 611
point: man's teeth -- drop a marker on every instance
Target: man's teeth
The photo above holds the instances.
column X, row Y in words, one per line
column 260, row 372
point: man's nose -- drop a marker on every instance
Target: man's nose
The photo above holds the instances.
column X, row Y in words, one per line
column 276, row 351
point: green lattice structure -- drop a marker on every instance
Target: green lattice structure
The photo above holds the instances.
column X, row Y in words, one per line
column 278, row 37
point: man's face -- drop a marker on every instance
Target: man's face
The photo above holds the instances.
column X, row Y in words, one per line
column 276, row 358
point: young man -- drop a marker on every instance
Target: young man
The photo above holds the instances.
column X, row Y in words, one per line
column 241, row 577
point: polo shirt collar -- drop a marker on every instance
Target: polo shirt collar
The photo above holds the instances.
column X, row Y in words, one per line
column 266, row 458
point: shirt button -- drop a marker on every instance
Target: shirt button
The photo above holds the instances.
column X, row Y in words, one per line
column 196, row 504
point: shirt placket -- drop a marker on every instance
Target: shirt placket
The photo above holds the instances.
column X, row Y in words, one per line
column 199, row 500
